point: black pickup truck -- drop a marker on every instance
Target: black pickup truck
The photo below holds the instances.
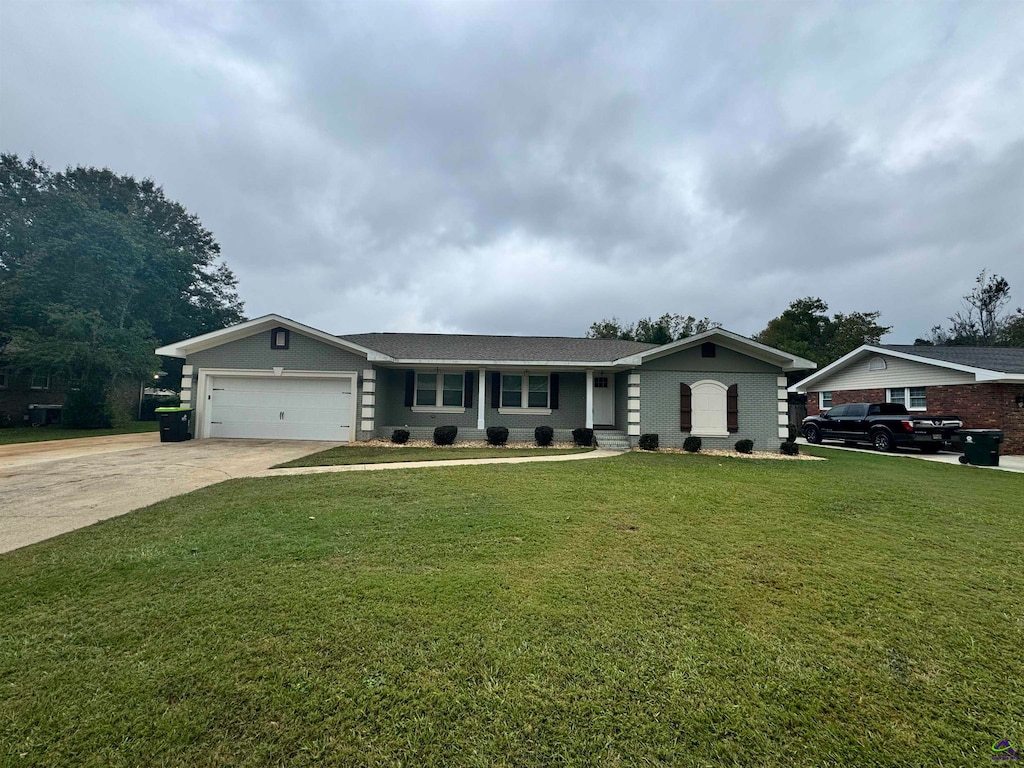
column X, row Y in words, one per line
column 884, row 425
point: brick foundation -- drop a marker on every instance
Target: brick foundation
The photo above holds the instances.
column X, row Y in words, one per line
column 979, row 406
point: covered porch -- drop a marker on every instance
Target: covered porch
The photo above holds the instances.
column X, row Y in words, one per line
column 519, row 397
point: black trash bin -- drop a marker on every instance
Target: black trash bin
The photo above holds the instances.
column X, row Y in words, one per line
column 173, row 424
column 981, row 446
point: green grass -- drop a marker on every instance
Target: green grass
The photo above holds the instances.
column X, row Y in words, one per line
column 11, row 435
column 372, row 454
column 640, row 610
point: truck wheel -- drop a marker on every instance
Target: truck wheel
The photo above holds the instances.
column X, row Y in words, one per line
column 882, row 441
column 812, row 434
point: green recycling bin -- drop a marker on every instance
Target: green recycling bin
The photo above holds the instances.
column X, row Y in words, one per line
column 174, row 424
column 981, row 446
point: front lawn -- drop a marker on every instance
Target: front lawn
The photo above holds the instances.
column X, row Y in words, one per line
column 376, row 454
column 11, row 435
column 640, row 610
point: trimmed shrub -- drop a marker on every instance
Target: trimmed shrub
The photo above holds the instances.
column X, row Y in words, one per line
column 445, row 435
column 789, row 448
column 691, row 444
column 648, row 442
column 744, row 446
column 583, row 436
column 400, row 436
column 497, row 435
column 544, row 435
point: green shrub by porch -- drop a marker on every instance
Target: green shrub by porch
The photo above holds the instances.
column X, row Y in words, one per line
column 400, row 436
column 544, row 435
column 648, row 442
column 789, row 448
column 497, row 435
column 445, row 435
column 744, row 446
column 691, row 444
column 583, row 436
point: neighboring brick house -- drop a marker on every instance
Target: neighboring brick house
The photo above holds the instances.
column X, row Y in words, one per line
column 22, row 390
column 31, row 397
column 984, row 386
column 274, row 377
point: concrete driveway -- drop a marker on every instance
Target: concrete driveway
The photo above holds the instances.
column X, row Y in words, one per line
column 52, row 487
column 1006, row 463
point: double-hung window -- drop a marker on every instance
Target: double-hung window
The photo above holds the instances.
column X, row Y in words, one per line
column 39, row 381
column 913, row 398
column 825, row 399
column 525, row 391
column 439, row 390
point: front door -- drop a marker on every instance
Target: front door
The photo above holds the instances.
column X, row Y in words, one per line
column 604, row 400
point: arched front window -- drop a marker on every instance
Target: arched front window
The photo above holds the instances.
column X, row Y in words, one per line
column 876, row 363
column 710, row 409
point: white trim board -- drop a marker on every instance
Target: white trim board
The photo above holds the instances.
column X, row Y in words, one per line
column 259, row 325
column 865, row 350
column 733, row 341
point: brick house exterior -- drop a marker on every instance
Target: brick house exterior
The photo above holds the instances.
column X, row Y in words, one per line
column 274, row 377
column 983, row 397
column 19, row 389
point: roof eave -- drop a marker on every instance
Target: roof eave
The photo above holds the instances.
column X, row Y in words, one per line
column 980, row 374
column 784, row 360
column 506, row 363
column 185, row 347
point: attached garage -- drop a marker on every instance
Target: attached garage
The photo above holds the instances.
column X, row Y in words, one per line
column 291, row 406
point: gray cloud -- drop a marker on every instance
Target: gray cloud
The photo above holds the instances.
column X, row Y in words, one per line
column 528, row 168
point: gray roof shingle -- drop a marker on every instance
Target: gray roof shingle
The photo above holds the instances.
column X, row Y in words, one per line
column 1002, row 359
column 444, row 346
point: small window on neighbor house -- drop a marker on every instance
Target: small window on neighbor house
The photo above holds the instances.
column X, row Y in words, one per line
column 39, row 381
column 707, row 349
column 877, row 364
column 825, row 399
column 279, row 338
column 918, row 399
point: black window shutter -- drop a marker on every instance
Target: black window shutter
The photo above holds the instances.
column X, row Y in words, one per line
column 685, row 409
column 495, row 389
column 410, row 385
column 467, row 394
column 554, row 391
column 732, row 405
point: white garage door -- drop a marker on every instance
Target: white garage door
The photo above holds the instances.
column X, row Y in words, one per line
column 280, row 408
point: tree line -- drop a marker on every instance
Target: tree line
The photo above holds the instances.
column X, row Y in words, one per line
column 805, row 327
column 97, row 270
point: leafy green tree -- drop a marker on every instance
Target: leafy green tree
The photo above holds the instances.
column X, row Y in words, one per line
column 96, row 269
column 805, row 329
column 981, row 321
column 668, row 327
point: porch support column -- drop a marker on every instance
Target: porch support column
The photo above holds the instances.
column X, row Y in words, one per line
column 590, row 400
column 481, row 390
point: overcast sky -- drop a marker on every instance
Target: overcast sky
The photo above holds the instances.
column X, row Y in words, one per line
column 530, row 167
